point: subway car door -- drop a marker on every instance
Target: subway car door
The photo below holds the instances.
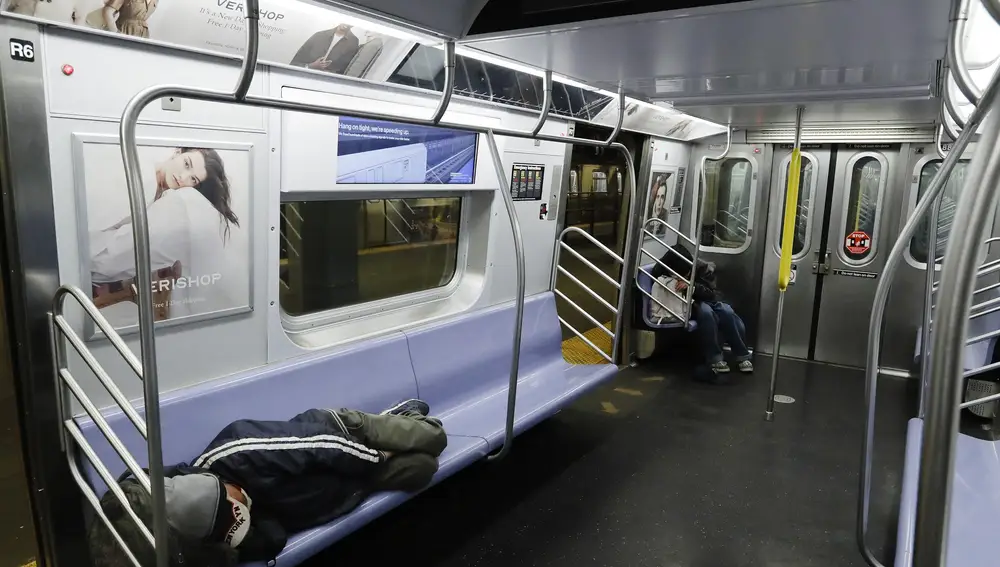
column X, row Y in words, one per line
column 800, row 297
column 850, row 198
column 730, row 224
column 864, row 201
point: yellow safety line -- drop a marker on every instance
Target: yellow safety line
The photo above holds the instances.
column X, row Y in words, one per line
column 576, row 351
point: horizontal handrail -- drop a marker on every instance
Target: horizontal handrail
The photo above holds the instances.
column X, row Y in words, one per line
column 105, row 428
column 589, row 264
column 74, row 431
column 983, row 337
column 586, row 340
column 980, row 369
column 88, row 357
column 665, row 287
column 95, row 503
column 592, row 293
column 979, row 401
column 102, row 323
column 614, row 255
column 684, row 279
column 583, row 312
column 680, row 318
column 675, row 230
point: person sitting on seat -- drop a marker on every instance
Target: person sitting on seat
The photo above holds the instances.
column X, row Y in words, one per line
column 716, row 318
column 258, row 481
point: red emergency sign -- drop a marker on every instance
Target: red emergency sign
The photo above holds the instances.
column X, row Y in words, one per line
column 858, row 242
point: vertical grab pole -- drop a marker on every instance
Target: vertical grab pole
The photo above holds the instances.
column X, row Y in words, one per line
column 449, row 82
column 892, row 261
column 144, row 279
column 515, row 227
column 930, row 268
column 696, row 222
column 785, row 264
column 546, row 102
column 630, row 261
column 958, row 279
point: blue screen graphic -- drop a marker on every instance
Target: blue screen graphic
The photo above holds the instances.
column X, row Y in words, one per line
column 378, row 151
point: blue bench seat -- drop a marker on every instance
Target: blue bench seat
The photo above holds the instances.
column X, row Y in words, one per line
column 459, row 365
column 975, row 501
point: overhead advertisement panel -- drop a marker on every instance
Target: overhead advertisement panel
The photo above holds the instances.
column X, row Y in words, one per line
column 379, row 151
column 657, row 121
column 297, row 34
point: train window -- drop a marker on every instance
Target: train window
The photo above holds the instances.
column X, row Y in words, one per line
column 335, row 254
column 728, row 201
column 803, row 218
column 867, row 174
column 949, row 199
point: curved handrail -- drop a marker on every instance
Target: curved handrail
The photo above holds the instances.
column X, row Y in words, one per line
column 936, row 187
column 958, row 277
column 959, row 18
column 949, row 105
column 939, row 141
column 449, row 82
column 546, row 102
column 515, row 228
column 945, row 126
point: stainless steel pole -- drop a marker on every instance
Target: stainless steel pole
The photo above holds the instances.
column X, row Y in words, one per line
column 937, row 185
column 958, row 278
column 515, row 228
column 776, row 357
column 925, row 329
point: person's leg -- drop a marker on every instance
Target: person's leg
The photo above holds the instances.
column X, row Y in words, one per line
column 708, row 336
column 730, row 327
column 409, row 432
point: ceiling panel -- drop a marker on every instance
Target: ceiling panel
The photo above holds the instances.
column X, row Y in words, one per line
column 765, row 46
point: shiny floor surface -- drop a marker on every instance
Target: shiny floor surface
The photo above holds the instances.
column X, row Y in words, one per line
column 654, row 469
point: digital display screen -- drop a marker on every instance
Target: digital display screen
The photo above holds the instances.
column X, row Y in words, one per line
column 384, row 152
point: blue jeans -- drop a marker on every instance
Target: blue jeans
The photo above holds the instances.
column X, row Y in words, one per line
column 717, row 320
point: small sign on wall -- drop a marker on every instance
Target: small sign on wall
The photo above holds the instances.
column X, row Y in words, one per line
column 526, row 181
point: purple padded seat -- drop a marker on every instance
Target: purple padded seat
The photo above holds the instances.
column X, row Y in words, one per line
column 370, row 375
column 975, row 501
column 462, row 368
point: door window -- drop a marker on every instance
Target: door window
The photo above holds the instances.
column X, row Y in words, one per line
column 866, row 179
column 949, row 199
column 807, row 190
column 728, row 205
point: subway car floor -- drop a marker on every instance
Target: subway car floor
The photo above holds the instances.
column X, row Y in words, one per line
column 655, row 469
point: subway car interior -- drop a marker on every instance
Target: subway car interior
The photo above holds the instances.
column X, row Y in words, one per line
column 684, row 283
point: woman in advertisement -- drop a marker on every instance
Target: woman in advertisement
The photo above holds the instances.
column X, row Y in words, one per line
column 658, row 206
column 191, row 222
column 132, row 17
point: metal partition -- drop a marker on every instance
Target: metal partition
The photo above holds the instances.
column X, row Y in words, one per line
column 146, row 369
column 682, row 318
column 941, row 397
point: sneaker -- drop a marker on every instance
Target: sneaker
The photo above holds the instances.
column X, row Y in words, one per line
column 720, row 367
column 409, row 406
column 746, row 367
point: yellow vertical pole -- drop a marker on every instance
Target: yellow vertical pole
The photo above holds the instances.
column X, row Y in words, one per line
column 787, row 242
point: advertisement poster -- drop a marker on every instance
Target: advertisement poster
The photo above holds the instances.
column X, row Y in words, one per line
column 198, row 209
column 297, row 33
column 378, row 151
column 526, row 181
column 658, row 197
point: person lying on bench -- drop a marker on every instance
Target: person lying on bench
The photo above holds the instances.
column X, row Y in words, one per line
column 259, row 481
column 716, row 318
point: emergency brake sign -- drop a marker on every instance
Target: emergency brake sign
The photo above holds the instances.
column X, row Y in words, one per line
column 858, row 242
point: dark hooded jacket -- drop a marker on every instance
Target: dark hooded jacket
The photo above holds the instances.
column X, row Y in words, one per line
column 679, row 260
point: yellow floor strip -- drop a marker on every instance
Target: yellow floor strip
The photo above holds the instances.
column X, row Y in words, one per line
column 575, row 351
